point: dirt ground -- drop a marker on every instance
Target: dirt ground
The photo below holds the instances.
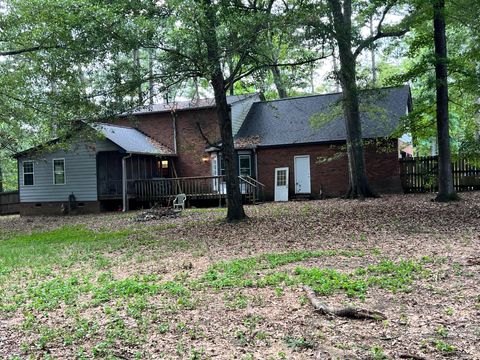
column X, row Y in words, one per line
column 150, row 289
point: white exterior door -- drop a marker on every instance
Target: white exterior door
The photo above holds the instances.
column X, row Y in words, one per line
column 281, row 184
column 302, row 175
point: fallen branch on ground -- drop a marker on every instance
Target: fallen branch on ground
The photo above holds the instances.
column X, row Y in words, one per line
column 348, row 312
column 473, row 261
column 411, row 357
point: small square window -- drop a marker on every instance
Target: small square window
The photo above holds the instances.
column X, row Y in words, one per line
column 281, row 178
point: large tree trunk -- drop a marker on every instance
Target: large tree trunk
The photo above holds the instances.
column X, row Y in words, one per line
column 235, row 210
column 359, row 186
column 1, row 179
column 446, row 191
column 278, row 81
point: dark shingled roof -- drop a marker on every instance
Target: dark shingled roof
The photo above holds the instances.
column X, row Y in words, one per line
column 288, row 121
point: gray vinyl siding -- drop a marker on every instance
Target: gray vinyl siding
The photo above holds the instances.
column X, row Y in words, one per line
column 80, row 174
column 106, row 145
column 240, row 111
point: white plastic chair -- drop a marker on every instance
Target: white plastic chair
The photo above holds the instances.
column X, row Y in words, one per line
column 179, row 202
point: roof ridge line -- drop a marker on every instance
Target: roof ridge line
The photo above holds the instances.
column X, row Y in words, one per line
column 327, row 94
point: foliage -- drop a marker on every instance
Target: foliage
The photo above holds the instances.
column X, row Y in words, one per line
column 416, row 57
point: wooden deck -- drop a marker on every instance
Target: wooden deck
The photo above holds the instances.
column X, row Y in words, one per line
column 196, row 188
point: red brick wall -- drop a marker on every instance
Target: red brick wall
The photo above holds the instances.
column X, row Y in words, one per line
column 190, row 144
column 329, row 167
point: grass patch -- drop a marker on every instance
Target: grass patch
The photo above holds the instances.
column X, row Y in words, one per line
column 393, row 276
column 243, row 272
column 240, row 273
column 63, row 246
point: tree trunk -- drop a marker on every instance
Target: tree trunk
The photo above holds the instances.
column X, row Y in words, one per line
column 150, row 77
column 359, row 186
column 231, row 86
column 138, row 74
column 446, row 191
column 335, row 71
column 235, row 210
column 372, row 55
column 278, row 81
column 1, row 179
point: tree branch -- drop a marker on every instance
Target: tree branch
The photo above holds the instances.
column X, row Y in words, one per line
column 263, row 66
column 204, row 137
column 27, row 50
column 379, row 33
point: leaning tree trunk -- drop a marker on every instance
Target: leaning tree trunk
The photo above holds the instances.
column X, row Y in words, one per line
column 235, row 210
column 446, row 190
column 359, row 186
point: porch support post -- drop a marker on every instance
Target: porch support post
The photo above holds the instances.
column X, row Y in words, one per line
column 124, row 182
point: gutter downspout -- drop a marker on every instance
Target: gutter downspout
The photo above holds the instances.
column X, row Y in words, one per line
column 174, row 124
column 124, row 182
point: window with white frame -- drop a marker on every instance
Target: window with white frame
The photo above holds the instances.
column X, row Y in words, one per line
column 245, row 165
column 213, row 159
column 281, row 177
column 28, row 173
column 59, row 171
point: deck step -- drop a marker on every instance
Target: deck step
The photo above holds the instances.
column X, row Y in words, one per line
column 302, row 197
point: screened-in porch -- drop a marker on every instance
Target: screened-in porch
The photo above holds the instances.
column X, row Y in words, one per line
column 152, row 179
column 138, row 168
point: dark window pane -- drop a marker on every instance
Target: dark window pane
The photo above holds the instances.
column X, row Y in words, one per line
column 222, row 166
column 28, row 167
column 59, row 172
column 59, row 178
column 27, row 179
column 245, row 165
column 281, row 178
column 59, row 166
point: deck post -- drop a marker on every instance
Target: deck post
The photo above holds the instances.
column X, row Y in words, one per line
column 124, row 182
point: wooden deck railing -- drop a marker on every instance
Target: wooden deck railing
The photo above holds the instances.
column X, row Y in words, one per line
column 196, row 188
column 203, row 187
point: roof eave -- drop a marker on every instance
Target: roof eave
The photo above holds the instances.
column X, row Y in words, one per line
column 150, row 154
